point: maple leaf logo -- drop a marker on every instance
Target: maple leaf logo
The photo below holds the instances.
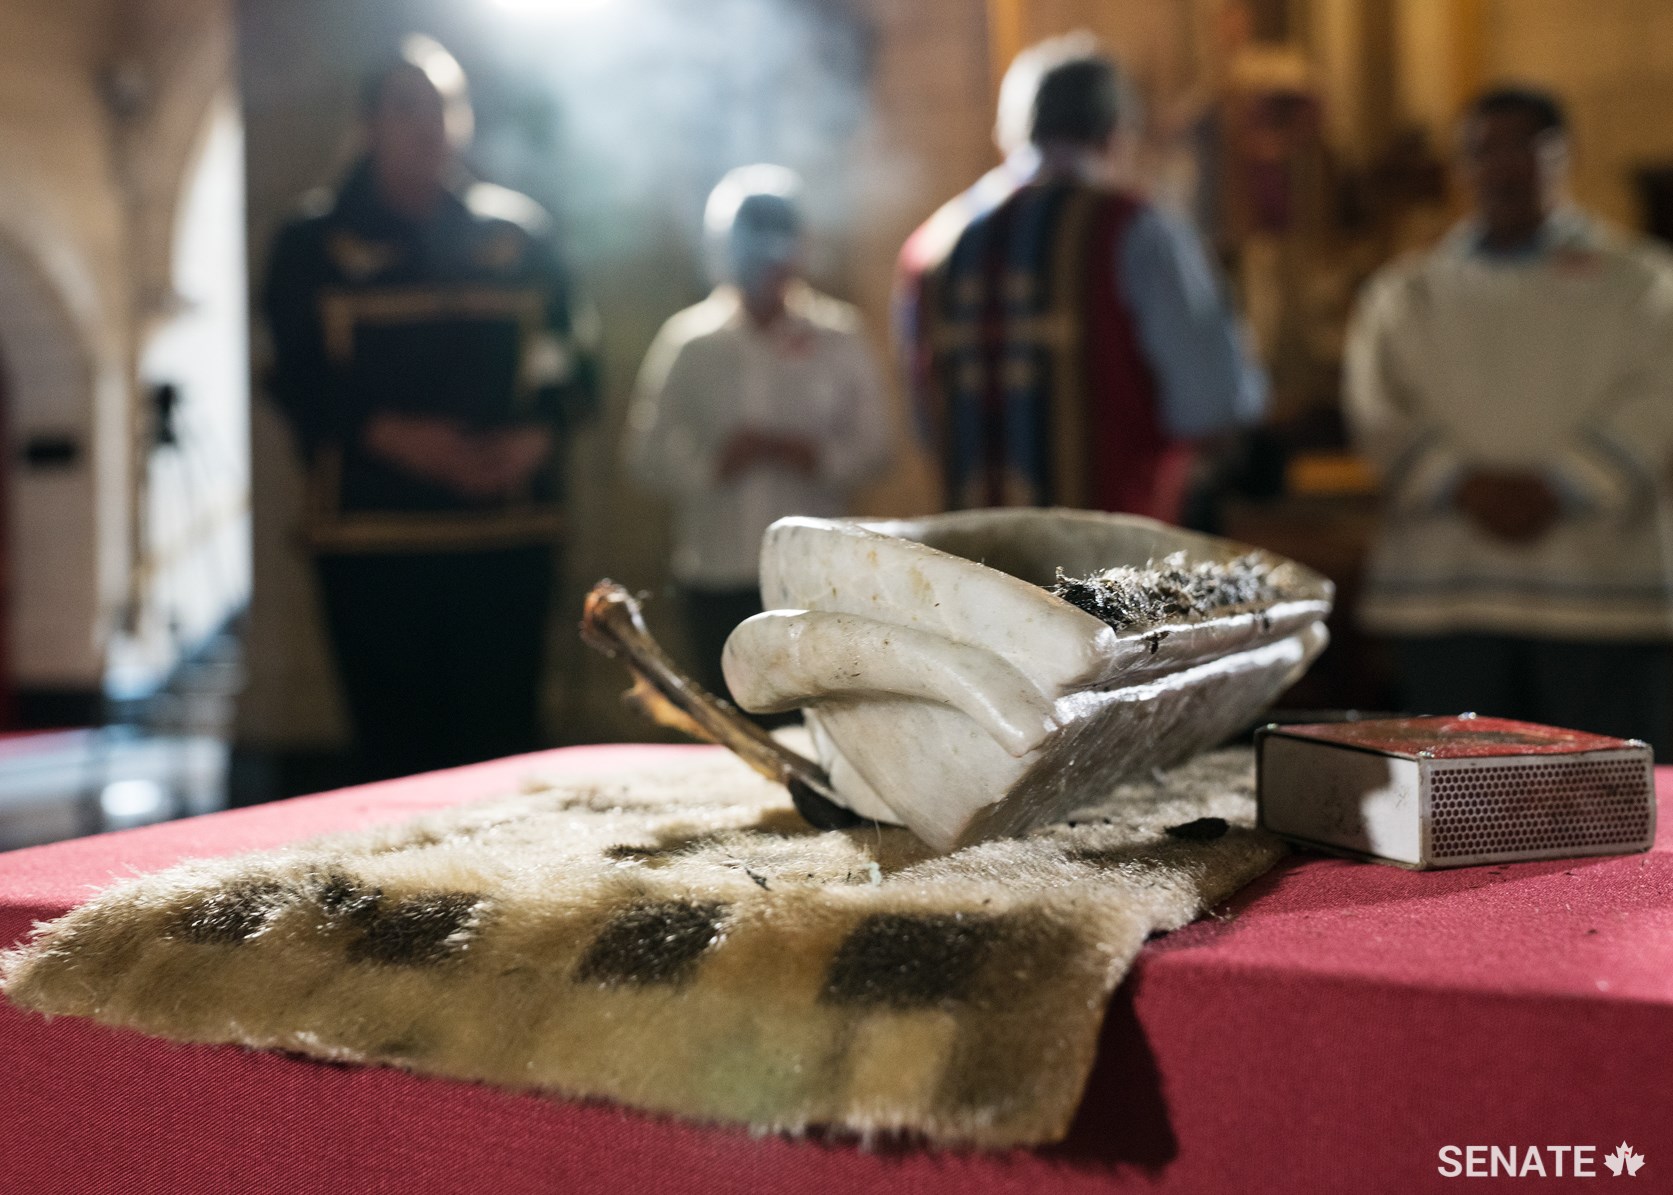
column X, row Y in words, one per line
column 1623, row 1157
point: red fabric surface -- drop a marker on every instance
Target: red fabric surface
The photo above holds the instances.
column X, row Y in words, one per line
column 1329, row 1031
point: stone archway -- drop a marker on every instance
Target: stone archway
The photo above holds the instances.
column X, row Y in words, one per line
column 191, row 467
column 51, row 541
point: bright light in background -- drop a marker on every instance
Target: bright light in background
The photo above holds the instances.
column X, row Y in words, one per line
column 432, row 58
column 550, row 8
column 133, row 800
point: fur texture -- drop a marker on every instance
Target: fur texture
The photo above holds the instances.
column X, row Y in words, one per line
column 677, row 941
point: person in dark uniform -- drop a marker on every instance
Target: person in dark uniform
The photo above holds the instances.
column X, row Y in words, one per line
column 431, row 358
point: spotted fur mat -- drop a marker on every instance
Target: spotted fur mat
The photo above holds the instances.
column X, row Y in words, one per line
column 678, row 941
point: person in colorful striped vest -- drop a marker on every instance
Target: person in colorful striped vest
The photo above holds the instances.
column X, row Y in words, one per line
column 1065, row 341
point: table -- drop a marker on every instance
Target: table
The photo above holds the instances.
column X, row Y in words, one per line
column 1332, row 1028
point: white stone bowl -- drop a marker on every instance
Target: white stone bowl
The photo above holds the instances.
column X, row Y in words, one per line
column 948, row 690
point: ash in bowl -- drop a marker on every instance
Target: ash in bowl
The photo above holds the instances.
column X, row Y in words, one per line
column 1130, row 599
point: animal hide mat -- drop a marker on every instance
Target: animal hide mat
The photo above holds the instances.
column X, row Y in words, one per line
column 676, row 939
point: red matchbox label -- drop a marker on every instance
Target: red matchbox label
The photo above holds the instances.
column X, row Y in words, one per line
column 1467, row 737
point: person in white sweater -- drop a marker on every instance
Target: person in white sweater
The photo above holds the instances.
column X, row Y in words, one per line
column 764, row 400
column 1514, row 387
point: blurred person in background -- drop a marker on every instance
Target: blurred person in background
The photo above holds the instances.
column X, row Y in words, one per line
column 1514, row 386
column 1066, row 343
column 431, row 359
column 764, row 400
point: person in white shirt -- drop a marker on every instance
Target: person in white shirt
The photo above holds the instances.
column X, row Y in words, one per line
column 764, row 400
column 1515, row 388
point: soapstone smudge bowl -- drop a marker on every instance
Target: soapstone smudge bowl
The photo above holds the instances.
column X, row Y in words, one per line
column 947, row 689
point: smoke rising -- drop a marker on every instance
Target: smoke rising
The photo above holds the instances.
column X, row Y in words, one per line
column 623, row 117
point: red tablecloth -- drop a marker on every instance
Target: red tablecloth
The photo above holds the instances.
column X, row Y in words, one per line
column 1332, row 1031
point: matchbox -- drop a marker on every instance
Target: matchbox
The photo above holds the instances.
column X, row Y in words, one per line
column 1454, row 791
